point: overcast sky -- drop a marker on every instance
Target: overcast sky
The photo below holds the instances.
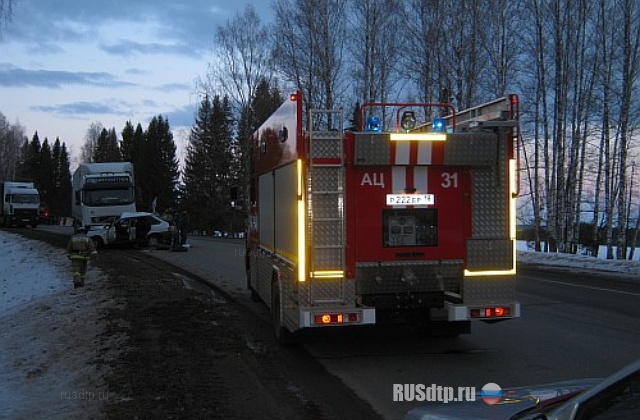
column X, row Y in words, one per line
column 65, row 64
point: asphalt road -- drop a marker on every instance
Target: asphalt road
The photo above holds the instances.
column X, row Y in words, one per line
column 573, row 325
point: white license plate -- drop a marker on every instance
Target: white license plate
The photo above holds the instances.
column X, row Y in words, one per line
column 410, row 199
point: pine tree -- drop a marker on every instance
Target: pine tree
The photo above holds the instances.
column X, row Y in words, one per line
column 107, row 149
column 30, row 153
column 207, row 165
column 157, row 166
column 45, row 181
column 65, row 189
column 60, row 204
column 267, row 99
column 127, row 145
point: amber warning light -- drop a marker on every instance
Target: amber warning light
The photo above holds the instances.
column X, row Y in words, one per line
column 328, row 319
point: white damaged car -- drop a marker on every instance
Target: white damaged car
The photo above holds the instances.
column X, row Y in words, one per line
column 140, row 228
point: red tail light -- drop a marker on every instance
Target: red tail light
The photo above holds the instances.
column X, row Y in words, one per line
column 491, row 312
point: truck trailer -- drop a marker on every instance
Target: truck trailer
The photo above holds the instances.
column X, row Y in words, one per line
column 20, row 204
column 414, row 222
column 102, row 192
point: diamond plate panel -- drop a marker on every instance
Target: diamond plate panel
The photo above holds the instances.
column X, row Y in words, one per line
column 482, row 290
column 406, row 276
column 326, row 144
column 489, row 254
column 326, row 206
column 264, row 270
column 326, row 178
column 372, row 149
column 490, row 200
column 327, row 232
column 327, row 259
column 329, row 290
column 471, row 149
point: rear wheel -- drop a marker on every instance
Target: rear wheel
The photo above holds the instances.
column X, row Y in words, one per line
column 283, row 335
column 97, row 242
column 254, row 295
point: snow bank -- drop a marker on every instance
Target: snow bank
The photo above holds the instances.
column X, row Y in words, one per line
column 625, row 268
column 51, row 347
column 29, row 270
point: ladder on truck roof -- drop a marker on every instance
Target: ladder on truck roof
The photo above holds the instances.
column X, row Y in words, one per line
column 325, row 207
column 501, row 112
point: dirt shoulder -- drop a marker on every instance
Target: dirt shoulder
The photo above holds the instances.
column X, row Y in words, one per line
column 185, row 352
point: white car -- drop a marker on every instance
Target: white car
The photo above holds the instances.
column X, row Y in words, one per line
column 124, row 230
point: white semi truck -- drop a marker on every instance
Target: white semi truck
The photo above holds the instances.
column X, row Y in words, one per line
column 20, row 204
column 102, row 192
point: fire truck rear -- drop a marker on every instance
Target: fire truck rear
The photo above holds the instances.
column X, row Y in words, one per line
column 414, row 223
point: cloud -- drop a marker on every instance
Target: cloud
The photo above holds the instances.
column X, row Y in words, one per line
column 12, row 76
column 129, row 48
column 77, row 108
column 182, row 117
column 173, row 87
column 178, row 24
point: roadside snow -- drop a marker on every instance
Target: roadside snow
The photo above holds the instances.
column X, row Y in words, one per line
column 49, row 335
column 51, row 348
column 629, row 270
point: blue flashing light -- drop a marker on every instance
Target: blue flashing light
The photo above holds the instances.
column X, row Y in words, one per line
column 439, row 125
column 373, row 124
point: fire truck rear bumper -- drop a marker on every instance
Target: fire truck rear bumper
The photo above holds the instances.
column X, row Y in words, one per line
column 335, row 317
column 482, row 312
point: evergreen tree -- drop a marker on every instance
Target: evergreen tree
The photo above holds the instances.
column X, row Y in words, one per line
column 157, row 166
column 60, row 204
column 206, row 174
column 355, row 122
column 107, row 149
column 45, row 181
column 65, row 188
column 139, row 138
column 30, row 153
column 266, row 100
column 127, row 145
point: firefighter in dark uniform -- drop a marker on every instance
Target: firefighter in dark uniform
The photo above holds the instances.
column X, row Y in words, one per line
column 80, row 249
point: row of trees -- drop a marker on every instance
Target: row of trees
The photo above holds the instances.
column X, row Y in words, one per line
column 152, row 152
column 574, row 63
column 44, row 164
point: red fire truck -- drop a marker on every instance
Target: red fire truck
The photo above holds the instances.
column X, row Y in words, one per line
column 413, row 223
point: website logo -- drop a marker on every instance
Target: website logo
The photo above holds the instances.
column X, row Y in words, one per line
column 491, row 393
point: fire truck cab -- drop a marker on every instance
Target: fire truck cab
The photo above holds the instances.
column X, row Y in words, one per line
column 414, row 222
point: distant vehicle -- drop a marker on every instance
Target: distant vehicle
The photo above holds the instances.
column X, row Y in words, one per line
column 20, row 204
column 123, row 230
column 616, row 397
column 102, row 192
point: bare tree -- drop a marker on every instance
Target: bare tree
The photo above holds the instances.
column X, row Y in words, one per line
column 629, row 74
column 12, row 138
column 90, row 142
column 311, row 47
column 6, row 11
column 243, row 59
column 375, row 47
